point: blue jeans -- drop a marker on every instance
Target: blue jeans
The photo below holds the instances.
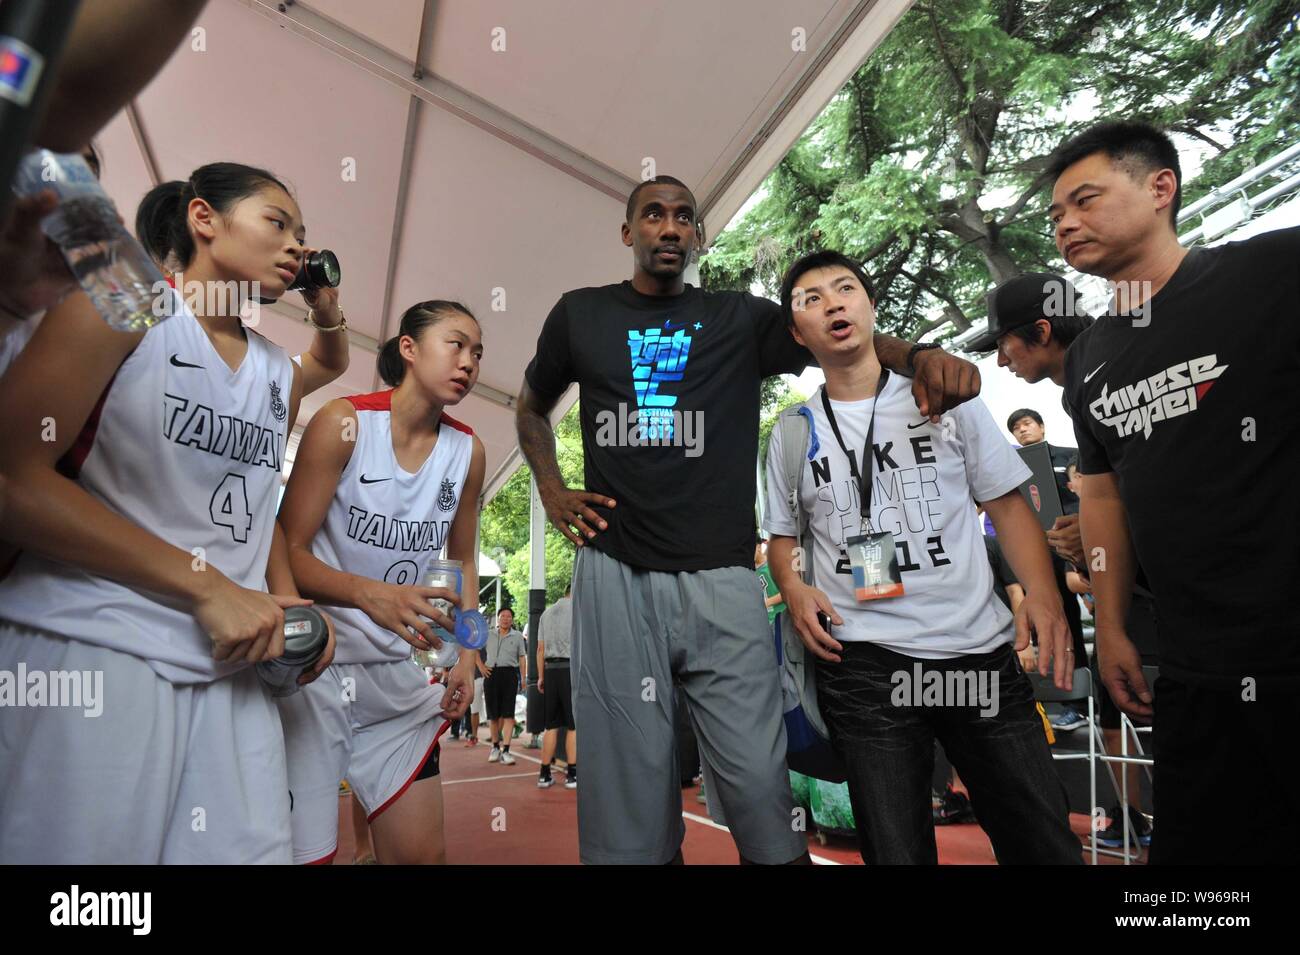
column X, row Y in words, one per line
column 1003, row 758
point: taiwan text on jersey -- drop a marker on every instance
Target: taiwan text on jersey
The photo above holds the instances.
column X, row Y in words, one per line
column 190, row 450
column 386, row 523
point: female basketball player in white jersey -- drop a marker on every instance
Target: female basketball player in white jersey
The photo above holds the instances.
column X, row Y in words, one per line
column 142, row 474
column 381, row 484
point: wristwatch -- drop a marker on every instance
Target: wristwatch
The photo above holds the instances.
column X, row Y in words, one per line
column 911, row 355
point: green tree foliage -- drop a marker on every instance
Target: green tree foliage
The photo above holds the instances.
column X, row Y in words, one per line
column 928, row 164
column 776, row 397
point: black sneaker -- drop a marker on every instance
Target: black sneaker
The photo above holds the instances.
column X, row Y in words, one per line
column 545, row 781
column 953, row 807
column 1139, row 829
column 571, row 779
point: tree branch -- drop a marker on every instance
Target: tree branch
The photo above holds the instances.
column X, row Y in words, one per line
column 1192, row 131
column 879, row 247
column 943, row 53
column 922, row 283
column 1023, row 199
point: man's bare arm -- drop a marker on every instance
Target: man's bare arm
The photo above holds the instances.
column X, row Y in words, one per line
column 537, row 437
column 942, row 381
column 115, row 49
column 1041, row 610
column 566, row 507
column 1108, row 550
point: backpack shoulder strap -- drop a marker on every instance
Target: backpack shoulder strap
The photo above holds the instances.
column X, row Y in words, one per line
column 798, row 444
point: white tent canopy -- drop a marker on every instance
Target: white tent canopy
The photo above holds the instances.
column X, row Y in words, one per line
column 487, row 567
column 484, row 151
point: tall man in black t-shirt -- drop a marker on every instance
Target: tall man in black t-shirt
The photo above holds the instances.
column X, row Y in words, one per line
column 670, row 379
column 1192, row 374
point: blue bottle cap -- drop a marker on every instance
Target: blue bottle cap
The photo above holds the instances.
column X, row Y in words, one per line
column 471, row 629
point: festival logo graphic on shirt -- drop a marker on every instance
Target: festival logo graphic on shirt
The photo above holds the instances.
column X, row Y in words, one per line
column 1178, row 390
column 659, row 357
column 447, row 495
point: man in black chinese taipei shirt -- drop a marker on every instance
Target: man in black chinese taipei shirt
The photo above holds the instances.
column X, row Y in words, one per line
column 670, row 378
column 1192, row 373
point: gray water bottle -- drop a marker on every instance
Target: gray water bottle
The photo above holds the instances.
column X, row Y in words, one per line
column 305, row 637
column 126, row 286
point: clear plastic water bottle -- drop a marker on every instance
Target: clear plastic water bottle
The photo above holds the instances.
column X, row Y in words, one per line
column 471, row 629
column 443, row 573
column 124, row 284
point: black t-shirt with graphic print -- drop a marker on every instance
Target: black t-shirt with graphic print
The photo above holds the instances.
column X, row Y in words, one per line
column 1193, row 405
column 684, row 372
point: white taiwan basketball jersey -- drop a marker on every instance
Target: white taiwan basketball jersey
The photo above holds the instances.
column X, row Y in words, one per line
column 191, row 451
column 386, row 523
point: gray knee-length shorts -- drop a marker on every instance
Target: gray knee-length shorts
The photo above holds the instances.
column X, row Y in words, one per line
column 635, row 632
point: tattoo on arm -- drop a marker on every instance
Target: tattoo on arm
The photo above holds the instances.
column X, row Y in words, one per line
column 537, row 437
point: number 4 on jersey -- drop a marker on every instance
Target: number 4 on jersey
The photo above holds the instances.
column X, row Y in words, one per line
column 229, row 507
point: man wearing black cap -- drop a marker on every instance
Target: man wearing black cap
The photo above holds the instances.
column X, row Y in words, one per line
column 1033, row 320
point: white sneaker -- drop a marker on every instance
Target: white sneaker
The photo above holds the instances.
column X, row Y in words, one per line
column 494, row 755
column 507, row 759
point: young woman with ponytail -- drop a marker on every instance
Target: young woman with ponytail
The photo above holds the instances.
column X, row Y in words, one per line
column 382, row 483
column 142, row 472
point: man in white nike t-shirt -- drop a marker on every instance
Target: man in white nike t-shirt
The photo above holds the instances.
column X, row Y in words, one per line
column 919, row 647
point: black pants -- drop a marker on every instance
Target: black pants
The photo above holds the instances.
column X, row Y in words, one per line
column 1227, row 788
column 888, row 747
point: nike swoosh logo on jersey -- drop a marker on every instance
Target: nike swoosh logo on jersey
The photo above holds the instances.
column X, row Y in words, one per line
column 919, row 424
column 366, row 480
column 183, row 364
column 668, row 326
column 1088, row 377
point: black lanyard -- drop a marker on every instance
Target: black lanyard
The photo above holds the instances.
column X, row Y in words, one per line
column 866, row 465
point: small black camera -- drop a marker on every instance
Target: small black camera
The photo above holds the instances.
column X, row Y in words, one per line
column 318, row 270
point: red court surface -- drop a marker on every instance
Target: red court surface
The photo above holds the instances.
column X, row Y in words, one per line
column 540, row 826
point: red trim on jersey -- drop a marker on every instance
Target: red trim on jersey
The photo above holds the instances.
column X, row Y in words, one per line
column 458, row 425
column 324, row 860
column 446, row 725
column 375, row 401
column 70, row 464
column 383, row 401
